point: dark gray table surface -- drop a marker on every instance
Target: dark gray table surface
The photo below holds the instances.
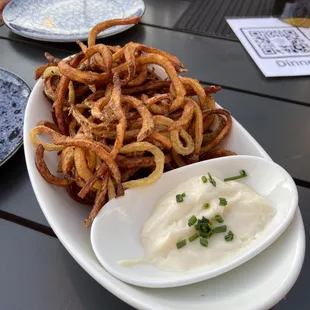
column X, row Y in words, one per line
column 211, row 60
column 36, row 271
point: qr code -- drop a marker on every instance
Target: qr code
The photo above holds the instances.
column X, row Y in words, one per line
column 278, row 42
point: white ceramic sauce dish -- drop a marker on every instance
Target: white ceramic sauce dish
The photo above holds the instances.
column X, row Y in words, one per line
column 115, row 233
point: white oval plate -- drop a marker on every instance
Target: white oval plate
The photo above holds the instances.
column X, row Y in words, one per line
column 67, row 20
column 271, row 274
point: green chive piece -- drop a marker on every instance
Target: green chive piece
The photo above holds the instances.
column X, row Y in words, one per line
column 206, row 234
column 204, row 227
column 204, row 242
column 192, row 220
column 183, row 194
column 212, row 181
column 229, row 236
column 206, row 205
column 204, row 179
column 242, row 174
column 181, row 244
column 193, row 237
column 220, row 229
column 211, row 226
column 222, row 201
column 219, row 219
column 179, row 198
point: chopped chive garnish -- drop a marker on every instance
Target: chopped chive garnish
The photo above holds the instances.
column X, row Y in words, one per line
column 192, row 220
column 222, row 201
column 206, row 205
column 229, row 236
column 220, row 229
column 183, row 194
column 204, row 242
column 206, row 234
column 179, row 198
column 193, row 237
column 204, row 227
column 242, row 174
column 212, row 181
column 181, row 244
column 219, row 219
column 204, row 179
column 211, row 226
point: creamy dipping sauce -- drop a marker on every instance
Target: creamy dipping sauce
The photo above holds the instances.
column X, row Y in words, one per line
column 246, row 214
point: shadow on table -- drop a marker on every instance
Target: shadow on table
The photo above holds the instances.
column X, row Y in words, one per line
column 12, row 167
column 91, row 295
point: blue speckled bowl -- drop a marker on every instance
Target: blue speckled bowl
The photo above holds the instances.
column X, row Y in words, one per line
column 67, row 20
column 14, row 93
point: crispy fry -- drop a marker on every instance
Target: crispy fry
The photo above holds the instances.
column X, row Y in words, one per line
column 61, row 92
column 170, row 70
column 91, row 160
column 67, row 161
column 128, row 173
column 106, row 57
column 117, row 109
column 81, row 45
column 137, row 47
column 73, row 189
column 177, row 159
column 147, row 120
column 85, row 77
column 209, row 136
column 178, row 146
column 198, row 131
column 111, row 189
column 39, row 71
column 186, row 116
column 51, row 59
column 111, row 109
column 108, row 24
column 81, row 166
column 159, row 160
column 221, row 136
column 157, row 104
column 38, row 130
column 198, row 90
column 140, row 78
column 44, row 171
column 99, row 201
column 49, row 124
column 146, row 87
column 50, row 71
column 94, row 147
column 165, row 141
column 129, row 54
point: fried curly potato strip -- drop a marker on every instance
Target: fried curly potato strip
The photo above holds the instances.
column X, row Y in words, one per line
column 44, row 171
column 117, row 124
column 159, row 161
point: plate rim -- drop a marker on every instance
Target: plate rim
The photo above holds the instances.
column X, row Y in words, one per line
column 140, row 303
column 21, row 140
column 42, row 36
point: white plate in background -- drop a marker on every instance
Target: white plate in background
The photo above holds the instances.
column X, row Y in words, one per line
column 67, row 20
